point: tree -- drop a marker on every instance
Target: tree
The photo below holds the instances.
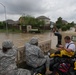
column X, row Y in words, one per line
column 2, row 25
column 72, row 24
column 59, row 23
column 64, row 28
column 29, row 20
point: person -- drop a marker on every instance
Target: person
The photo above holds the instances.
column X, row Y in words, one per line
column 34, row 55
column 69, row 44
column 68, row 49
column 8, row 62
column 59, row 38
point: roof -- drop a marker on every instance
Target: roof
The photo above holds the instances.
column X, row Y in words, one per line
column 64, row 21
column 43, row 17
column 9, row 21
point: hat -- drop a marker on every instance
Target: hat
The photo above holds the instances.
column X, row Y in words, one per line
column 33, row 40
column 7, row 44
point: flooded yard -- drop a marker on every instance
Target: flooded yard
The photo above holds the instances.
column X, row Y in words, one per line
column 19, row 39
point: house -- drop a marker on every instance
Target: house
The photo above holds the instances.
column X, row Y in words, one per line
column 64, row 22
column 12, row 23
column 46, row 21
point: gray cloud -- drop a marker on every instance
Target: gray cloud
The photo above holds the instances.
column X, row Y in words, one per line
column 25, row 6
column 50, row 8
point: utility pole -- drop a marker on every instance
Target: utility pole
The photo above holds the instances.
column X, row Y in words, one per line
column 5, row 17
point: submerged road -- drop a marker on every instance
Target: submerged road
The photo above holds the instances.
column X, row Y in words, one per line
column 20, row 39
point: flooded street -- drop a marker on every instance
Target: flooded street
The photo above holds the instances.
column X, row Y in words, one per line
column 19, row 39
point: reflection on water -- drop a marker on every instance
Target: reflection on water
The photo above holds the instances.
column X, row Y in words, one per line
column 19, row 39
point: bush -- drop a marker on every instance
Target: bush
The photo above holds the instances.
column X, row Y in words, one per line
column 58, row 26
column 64, row 28
column 68, row 27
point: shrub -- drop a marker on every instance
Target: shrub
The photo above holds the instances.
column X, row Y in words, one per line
column 64, row 28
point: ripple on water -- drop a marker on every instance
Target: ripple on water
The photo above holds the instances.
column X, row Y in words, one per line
column 19, row 39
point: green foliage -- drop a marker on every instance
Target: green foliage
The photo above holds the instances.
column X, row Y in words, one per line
column 59, row 23
column 58, row 26
column 68, row 27
column 64, row 28
column 63, row 25
column 2, row 25
column 72, row 24
column 29, row 20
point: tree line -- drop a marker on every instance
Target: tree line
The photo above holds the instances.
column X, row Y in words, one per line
column 29, row 20
column 37, row 23
column 63, row 25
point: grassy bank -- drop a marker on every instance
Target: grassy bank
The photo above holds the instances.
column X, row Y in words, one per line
column 10, row 31
column 19, row 31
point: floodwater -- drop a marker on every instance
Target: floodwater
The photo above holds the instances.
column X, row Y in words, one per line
column 19, row 39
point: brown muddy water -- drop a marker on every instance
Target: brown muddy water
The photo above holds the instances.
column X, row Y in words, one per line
column 19, row 39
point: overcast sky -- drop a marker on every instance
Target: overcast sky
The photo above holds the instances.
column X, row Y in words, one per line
column 49, row 8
